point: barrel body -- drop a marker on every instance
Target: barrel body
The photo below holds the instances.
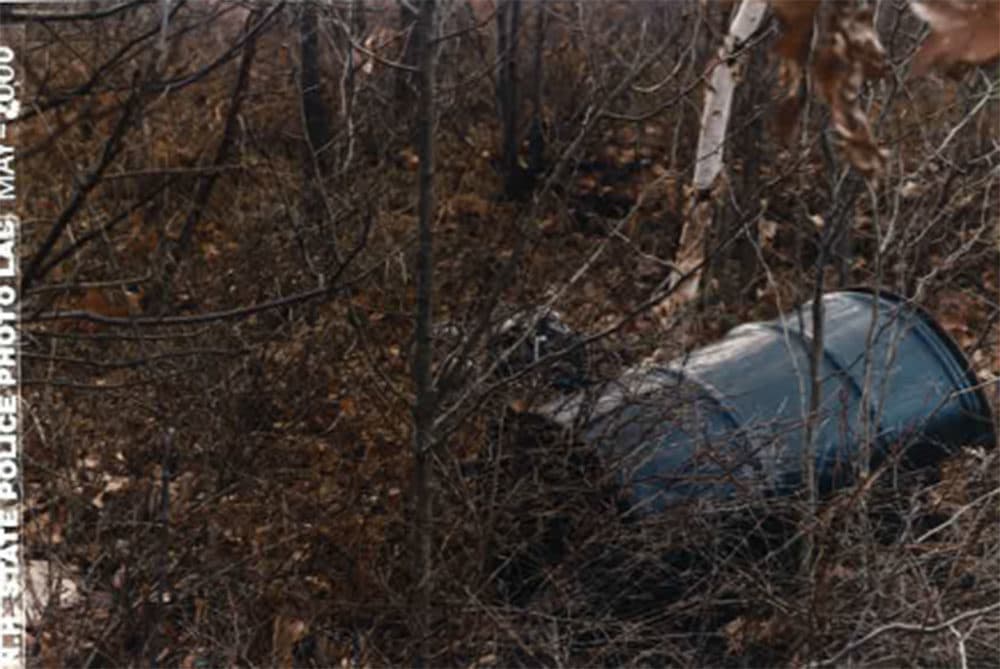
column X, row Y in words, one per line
column 732, row 417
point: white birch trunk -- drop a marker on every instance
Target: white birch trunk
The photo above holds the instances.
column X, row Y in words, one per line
column 711, row 147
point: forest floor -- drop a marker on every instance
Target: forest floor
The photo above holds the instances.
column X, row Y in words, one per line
column 277, row 444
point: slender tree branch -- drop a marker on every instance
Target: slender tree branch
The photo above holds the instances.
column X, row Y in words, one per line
column 56, row 17
column 239, row 312
column 425, row 403
column 78, row 243
column 89, row 85
column 207, row 182
column 82, row 190
column 908, row 627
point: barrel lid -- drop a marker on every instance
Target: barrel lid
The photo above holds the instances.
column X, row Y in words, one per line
column 952, row 355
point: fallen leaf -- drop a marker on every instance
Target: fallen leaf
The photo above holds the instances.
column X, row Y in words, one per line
column 286, row 633
column 48, row 584
column 767, row 231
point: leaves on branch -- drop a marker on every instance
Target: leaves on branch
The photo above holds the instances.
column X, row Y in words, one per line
column 796, row 17
column 847, row 53
column 792, row 46
column 962, row 32
column 850, row 54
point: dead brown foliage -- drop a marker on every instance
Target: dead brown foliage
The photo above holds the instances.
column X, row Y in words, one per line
column 273, row 529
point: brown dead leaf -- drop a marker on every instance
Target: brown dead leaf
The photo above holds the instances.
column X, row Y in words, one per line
column 851, row 53
column 112, row 484
column 466, row 206
column 686, row 277
column 767, row 231
column 46, row 527
column 142, row 239
column 286, row 632
column 848, row 53
column 796, row 18
column 409, row 159
column 348, row 407
column 586, row 183
column 112, row 302
column 736, row 636
column 191, row 661
column 963, row 32
column 49, row 584
column 743, row 633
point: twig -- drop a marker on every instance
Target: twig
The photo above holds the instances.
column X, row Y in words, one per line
column 89, row 85
column 166, row 469
column 207, row 182
column 955, row 516
column 238, row 312
column 70, row 250
column 53, row 17
column 425, row 401
column 907, row 627
column 82, row 190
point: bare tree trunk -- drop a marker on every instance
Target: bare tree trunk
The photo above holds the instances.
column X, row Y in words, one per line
column 207, row 184
column 709, row 160
column 842, row 221
column 752, row 154
column 315, row 116
column 425, row 402
column 314, row 111
column 813, row 418
column 536, row 139
column 407, row 21
column 356, row 27
column 508, row 24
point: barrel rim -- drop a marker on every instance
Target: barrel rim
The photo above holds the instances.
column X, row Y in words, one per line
column 962, row 363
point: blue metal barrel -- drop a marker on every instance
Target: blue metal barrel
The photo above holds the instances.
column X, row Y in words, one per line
column 730, row 418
